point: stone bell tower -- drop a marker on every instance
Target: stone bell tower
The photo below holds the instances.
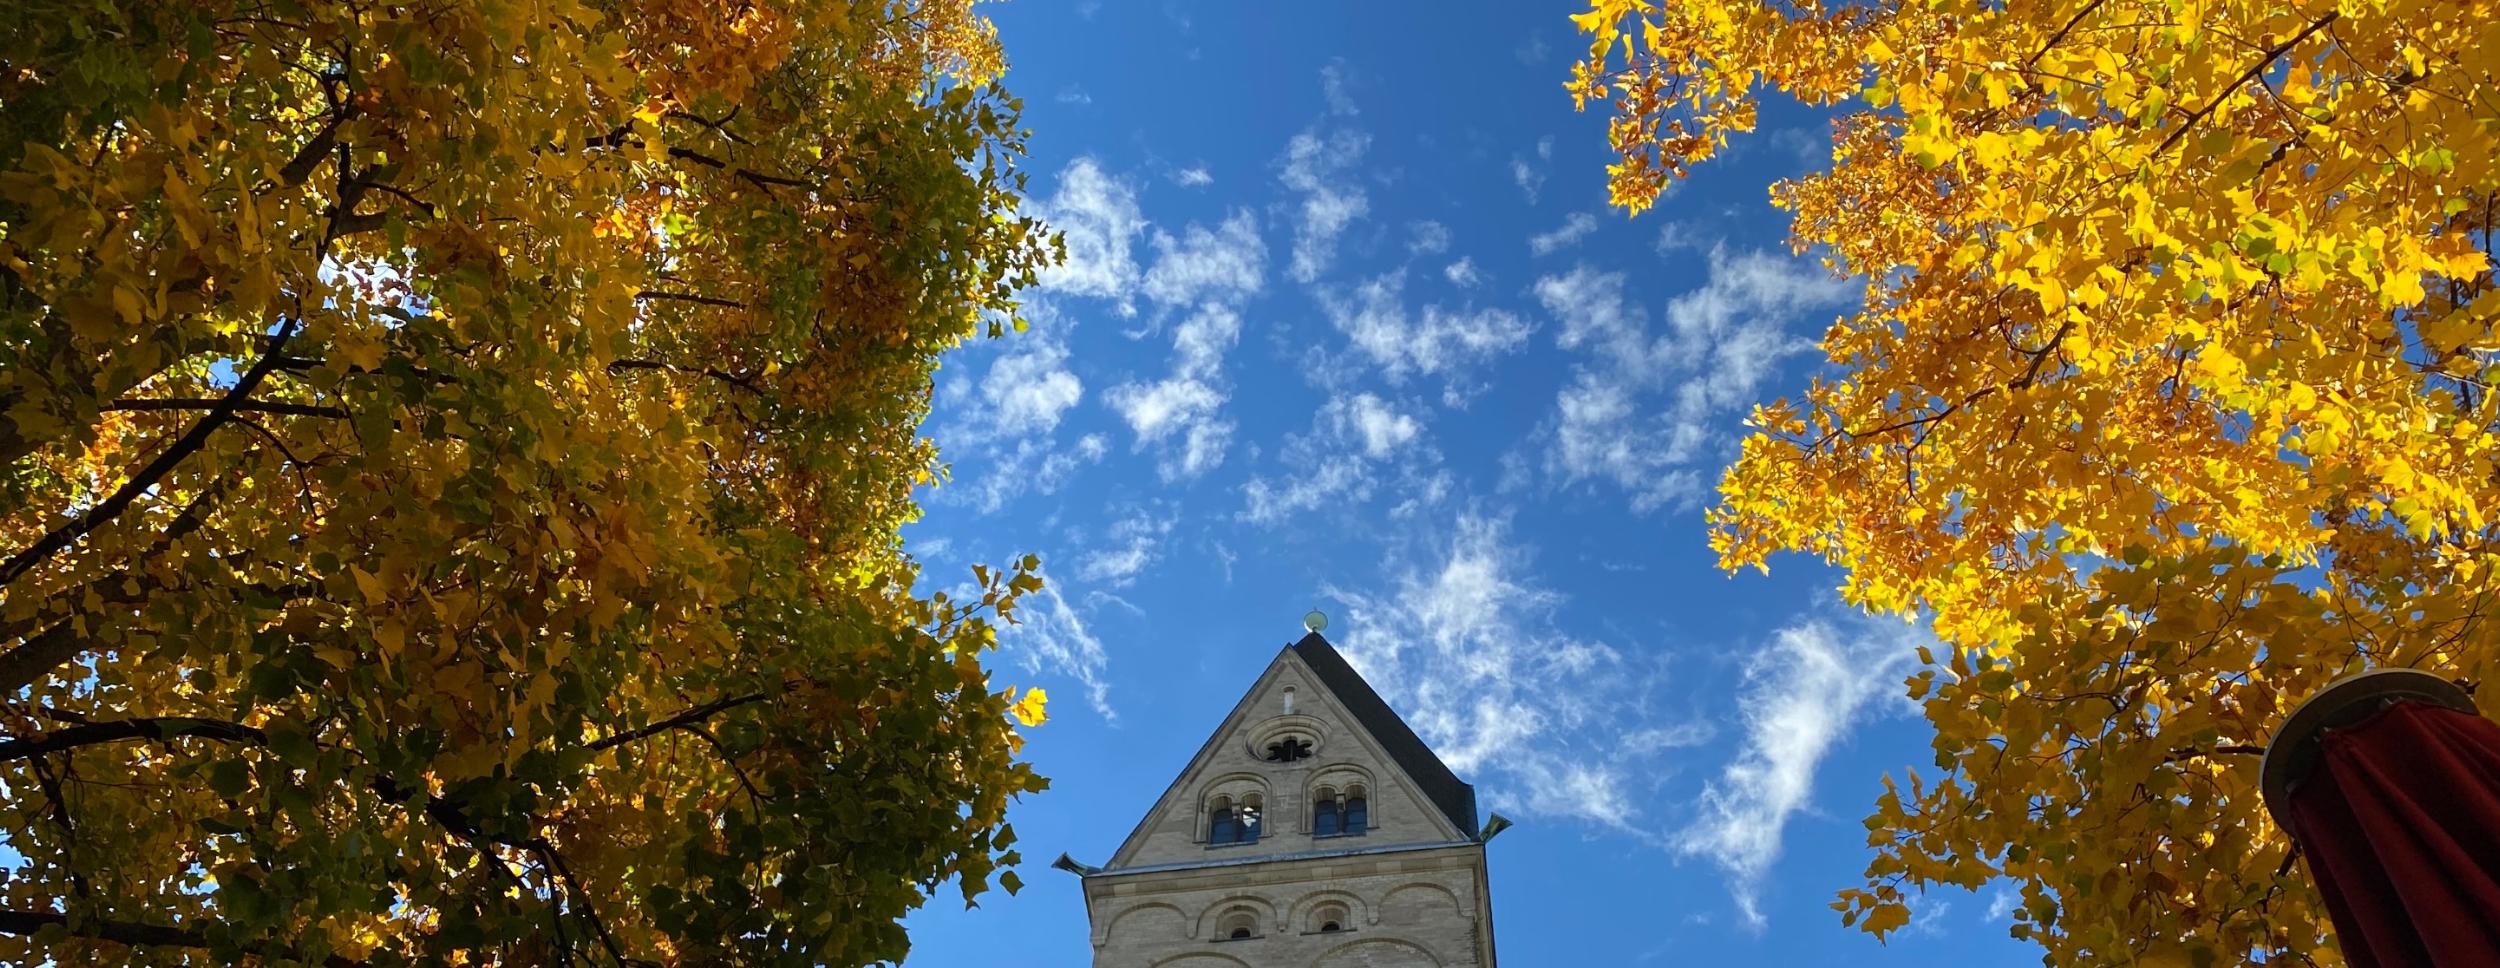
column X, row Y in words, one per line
column 1313, row 830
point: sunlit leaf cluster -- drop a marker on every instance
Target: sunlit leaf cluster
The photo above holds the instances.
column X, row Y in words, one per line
column 450, row 462
column 2170, row 399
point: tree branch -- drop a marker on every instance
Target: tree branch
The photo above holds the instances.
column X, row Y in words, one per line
column 577, row 898
column 2245, row 76
column 729, row 759
column 160, row 729
column 300, row 168
column 690, row 297
column 724, row 376
column 133, row 933
column 149, row 476
column 247, row 406
column 452, row 815
column 2060, row 35
column 759, row 179
column 687, row 718
column 720, row 127
column 31, row 660
column 2190, row 754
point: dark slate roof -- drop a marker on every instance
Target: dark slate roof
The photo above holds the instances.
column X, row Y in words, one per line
column 1456, row 799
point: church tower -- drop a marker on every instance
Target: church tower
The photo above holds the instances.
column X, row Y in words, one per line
column 1313, row 830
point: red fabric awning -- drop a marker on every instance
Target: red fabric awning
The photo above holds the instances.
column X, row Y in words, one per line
column 2400, row 821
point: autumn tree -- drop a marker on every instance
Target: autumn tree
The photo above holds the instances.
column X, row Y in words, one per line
column 453, row 457
column 2170, row 400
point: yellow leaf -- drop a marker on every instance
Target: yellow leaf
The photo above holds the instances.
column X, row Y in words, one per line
column 126, row 303
column 1029, row 709
column 2403, row 287
column 369, row 585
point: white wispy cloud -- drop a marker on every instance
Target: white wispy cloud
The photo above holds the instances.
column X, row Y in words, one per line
column 1928, row 921
column 1652, row 412
column 1531, row 177
column 1427, row 237
column 1803, row 691
column 1433, row 341
column 1531, row 51
column 1463, row 273
column 1356, row 439
column 1376, row 424
column 1098, row 215
column 1026, row 391
column 1226, row 557
column 1464, row 643
column 1332, row 84
column 1672, row 736
column 1134, row 541
column 1050, row 636
column 1182, row 414
column 1226, row 263
column 1575, row 227
column 1073, row 94
column 1740, row 322
column 1031, row 466
column 1319, row 169
column 1676, row 237
column 1529, row 180
column 1196, row 176
column 1808, row 149
column 2001, row 904
column 999, row 423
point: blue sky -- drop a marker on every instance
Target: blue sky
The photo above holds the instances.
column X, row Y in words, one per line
column 1347, row 324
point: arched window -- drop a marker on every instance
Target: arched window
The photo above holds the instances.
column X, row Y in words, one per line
column 1233, row 822
column 1287, row 749
column 1249, row 820
column 1237, row 924
column 1336, row 813
column 1328, row 918
column 1222, row 826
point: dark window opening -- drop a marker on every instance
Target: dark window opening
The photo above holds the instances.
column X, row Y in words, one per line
column 1238, row 934
column 1333, row 816
column 1228, row 824
column 1327, row 927
column 1288, row 750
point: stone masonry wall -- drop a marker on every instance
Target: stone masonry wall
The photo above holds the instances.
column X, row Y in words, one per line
column 1407, row 909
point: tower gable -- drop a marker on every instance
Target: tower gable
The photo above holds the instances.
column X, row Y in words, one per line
column 1357, row 748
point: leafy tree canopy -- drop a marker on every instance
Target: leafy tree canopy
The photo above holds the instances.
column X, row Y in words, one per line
column 450, row 462
column 2170, row 400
